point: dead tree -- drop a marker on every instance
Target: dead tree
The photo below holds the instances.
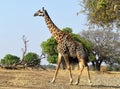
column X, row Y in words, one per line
column 24, row 50
column 21, row 64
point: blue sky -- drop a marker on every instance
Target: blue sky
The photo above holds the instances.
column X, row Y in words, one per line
column 17, row 19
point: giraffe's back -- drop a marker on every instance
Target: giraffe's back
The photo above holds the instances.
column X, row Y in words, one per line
column 72, row 47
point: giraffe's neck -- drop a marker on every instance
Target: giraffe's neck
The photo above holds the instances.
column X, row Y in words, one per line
column 55, row 31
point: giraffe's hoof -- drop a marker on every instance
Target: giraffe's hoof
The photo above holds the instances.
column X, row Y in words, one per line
column 76, row 83
column 53, row 81
column 71, row 82
column 91, row 84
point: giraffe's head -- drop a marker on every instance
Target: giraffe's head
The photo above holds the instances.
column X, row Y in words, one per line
column 40, row 12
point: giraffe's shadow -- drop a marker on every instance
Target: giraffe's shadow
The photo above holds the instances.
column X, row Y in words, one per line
column 104, row 86
column 93, row 86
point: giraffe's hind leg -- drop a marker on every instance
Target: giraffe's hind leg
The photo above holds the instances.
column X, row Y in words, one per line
column 68, row 67
column 82, row 65
column 89, row 79
column 80, row 73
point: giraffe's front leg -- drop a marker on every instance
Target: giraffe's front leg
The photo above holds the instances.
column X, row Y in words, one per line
column 57, row 68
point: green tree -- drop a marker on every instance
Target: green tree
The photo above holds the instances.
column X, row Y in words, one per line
column 32, row 58
column 103, row 13
column 49, row 47
column 86, row 43
column 106, row 45
column 67, row 29
column 10, row 59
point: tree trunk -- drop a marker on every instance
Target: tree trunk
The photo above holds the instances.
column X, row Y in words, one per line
column 93, row 65
column 97, row 65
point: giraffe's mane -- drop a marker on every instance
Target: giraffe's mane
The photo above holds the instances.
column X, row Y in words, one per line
column 47, row 14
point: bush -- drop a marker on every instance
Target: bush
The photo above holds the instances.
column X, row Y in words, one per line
column 113, row 68
column 10, row 59
column 32, row 58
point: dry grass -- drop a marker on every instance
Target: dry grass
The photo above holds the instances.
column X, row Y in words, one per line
column 33, row 79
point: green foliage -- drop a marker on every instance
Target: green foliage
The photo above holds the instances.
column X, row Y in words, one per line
column 75, row 37
column 92, row 58
column 30, row 57
column 67, row 29
column 103, row 12
column 87, row 44
column 52, row 58
column 10, row 59
column 49, row 46
column 113, row 68
column 117, row 60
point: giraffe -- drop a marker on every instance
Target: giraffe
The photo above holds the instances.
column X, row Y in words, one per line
column 67, row 47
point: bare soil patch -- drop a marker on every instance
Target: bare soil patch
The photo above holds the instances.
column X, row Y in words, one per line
column 36, row 79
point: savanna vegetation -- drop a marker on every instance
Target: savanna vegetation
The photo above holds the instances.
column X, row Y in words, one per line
column 101, row 41
column 102, row 46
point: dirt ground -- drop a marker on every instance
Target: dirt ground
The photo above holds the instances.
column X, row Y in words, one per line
column 39, row 79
